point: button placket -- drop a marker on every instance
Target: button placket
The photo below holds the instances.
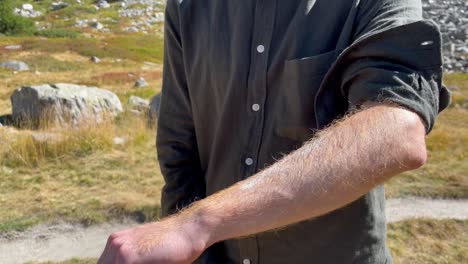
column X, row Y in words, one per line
column 257, row 93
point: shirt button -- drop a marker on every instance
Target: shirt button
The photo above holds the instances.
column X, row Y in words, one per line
column 248, row 161
column 246, row 261
column 260, row 48
column 255, row 107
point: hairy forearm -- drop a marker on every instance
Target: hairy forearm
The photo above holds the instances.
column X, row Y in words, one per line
column 336, row 167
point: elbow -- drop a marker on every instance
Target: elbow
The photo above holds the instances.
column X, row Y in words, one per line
column 416, row 156
column 415, row 151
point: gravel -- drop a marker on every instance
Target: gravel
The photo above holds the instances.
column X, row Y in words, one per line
column 452, row 17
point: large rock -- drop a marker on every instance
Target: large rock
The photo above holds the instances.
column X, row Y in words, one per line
column 15, row 65
column 153, row 112
column 65, row 104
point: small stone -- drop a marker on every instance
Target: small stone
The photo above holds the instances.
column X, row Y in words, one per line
column 27, row 7
column 97, row 25
column 103, row 4
column 15, row 65
column 141, row 83
column 13, row 47
column 95, row 59
column 120, row 141
column 59, row 5
column 139, row 104
column 132, row 29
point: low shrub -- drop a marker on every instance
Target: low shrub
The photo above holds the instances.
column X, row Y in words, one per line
column 57, row 33
column 11, row 24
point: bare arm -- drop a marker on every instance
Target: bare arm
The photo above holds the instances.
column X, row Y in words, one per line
column 336, row 167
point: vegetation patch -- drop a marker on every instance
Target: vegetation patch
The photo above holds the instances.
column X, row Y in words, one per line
column 136, row 48
column 429, row 241
column 47, row 63
column 57, row 33
column 85, row 178
column 10, row 24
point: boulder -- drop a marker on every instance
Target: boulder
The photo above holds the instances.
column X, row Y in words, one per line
column 64, row 104
column 15, row 65
column 153, row 112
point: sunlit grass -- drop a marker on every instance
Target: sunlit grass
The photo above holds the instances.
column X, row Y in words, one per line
column 84, row 178
column 429, row 241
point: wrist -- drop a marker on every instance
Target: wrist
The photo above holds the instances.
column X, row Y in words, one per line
column 200, row 228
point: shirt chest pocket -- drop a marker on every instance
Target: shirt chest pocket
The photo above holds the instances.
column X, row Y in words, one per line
column 299, row 85
column 307, row 70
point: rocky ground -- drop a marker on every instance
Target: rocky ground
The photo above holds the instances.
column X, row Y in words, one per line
column 452, row 17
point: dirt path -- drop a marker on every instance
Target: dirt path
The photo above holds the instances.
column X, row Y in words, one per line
column 65, row 241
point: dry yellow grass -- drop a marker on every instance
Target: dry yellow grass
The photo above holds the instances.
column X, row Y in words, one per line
column 429, row 242
column 84, row 178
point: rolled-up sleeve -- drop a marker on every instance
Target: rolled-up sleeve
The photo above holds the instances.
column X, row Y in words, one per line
column 176, row 140
column 397, row 59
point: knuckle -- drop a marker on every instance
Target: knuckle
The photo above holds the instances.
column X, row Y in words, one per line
column 113, row 236
column 125, row 255
column 115, row 243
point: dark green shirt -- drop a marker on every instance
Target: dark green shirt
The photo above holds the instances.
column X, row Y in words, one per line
column 247, row 81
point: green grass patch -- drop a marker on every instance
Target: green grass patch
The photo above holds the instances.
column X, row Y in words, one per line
column 137, row 48
column 18, row 224
column 145, row 93
column 11, row 24
column 45, row 63
column 57, row 33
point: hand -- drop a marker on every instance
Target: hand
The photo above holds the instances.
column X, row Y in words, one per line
column 166, row 242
